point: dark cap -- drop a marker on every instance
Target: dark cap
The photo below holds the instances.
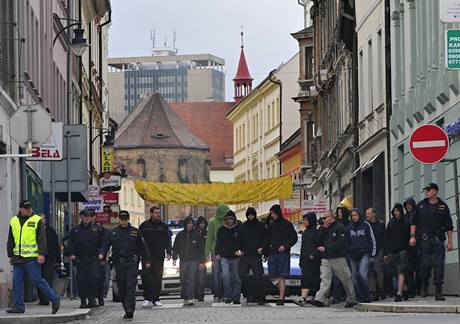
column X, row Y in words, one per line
column 86, row 212
column 25, row 204
column 431, row 186
column 124, row 214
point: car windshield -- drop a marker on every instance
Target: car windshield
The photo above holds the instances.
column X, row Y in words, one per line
column 295, row 250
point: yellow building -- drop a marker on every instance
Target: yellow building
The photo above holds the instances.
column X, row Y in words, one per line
column 262, row 119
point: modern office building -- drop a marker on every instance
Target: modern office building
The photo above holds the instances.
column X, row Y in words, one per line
column 178, row 78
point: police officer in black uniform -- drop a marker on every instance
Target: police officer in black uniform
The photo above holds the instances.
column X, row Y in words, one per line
column 128, row 247
column 102, row 264
column 85, row 241
column 428, row 230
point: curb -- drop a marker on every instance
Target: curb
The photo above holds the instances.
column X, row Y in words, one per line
column 79, row 314
column 420, row 308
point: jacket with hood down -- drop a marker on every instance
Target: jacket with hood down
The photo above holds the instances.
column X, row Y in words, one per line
column 280, row 232
column 253, row 235
column 397, row 233
column 156, row 235
column 213, row 226
column 433, row 219
column 228, row 238
column 309, row 250
column 188, row 245
column 360, row 237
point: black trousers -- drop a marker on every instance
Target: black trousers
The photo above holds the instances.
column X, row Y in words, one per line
column 88, row 275
column 100, row 288
column 200, row 282
column 152, row 280
column 433, row 253
column 126, row 273
column 47, row 274
column 252, row 285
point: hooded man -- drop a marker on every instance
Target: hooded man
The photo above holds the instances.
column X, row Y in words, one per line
column 395, row 250
column 228, row 250
column 343, row 215
column 213, row 227
column 188, row 245
column 414, row 282
column 361, row 246
column 202, row 229
column 310, row 259
column 253, row 243
column 281, row 237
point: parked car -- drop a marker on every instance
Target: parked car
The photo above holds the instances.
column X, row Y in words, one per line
column 171, row 279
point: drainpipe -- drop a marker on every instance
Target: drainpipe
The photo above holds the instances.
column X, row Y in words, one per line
column 388, row 95
column 357, row 201
column 80, row 79
column 90, row 32
column 270, row 76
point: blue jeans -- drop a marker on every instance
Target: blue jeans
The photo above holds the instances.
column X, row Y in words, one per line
column 216, row 276
column 33, row 270
column 231, row 276
column 359, row 272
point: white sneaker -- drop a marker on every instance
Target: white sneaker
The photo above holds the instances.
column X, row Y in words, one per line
column 147, row 303
column 157, row 303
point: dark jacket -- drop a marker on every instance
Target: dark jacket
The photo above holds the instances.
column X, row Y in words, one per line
column 253, row 237
column 334, row 241
column 378, row 227
column 188, row 246
column 41, row 242
column 85, row 241
column 308, row 251
column 52, row 243
column 397, row 233
column 413, row 214
column 228, row 241
column 156, row 235
column 126, row 242
column 433, row 219
column 360, row 238
column 280, row 232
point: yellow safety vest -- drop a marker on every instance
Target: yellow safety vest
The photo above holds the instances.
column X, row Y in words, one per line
column 25, row 236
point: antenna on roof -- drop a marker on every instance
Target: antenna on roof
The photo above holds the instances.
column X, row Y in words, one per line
column 153, row 35
column 242, row 37
column 165, row 42
column 174, row 39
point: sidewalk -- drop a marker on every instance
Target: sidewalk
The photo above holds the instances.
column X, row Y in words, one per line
column 416, row 305
column 42, row 314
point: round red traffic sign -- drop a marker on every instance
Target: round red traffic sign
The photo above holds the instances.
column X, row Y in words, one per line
column 429, row 144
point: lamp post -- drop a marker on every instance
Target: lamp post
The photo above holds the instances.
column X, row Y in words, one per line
column 78, row 45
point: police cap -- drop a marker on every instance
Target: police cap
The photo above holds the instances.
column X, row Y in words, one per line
column 431, row 186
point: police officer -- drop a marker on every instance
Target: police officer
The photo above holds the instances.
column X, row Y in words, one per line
column 102, row 265
column 128, row 247
column 85, row 241
column 428, row 231
column 26, row 249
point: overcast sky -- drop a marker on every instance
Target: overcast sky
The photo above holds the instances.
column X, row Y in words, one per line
column 210, row 26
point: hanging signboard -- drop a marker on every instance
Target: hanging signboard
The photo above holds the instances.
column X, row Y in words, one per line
column 318, row 206
column 107, row 159
column 51, row 149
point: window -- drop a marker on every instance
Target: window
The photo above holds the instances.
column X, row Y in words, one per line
column 273, row 114
column 277, row 118
column 132, row 197
column 369, row 78
column 380, row 76
column 268, row 117
column 308, row 63
column 361, row 85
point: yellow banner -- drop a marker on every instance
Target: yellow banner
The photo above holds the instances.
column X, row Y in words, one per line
column 211, row 194
column 107, row 159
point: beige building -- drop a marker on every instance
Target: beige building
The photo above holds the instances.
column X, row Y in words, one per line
column 129, row 200
column 262, row 120
column 178, row 78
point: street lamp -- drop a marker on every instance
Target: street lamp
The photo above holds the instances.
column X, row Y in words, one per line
column 78, row 44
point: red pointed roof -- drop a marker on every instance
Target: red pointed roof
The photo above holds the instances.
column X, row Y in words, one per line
column 242, row 74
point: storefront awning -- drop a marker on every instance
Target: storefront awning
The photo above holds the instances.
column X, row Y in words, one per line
column 369, row 163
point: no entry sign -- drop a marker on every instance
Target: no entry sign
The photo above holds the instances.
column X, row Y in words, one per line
column 429, row 144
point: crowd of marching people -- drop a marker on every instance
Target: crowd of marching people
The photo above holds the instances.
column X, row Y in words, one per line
column 346, row 255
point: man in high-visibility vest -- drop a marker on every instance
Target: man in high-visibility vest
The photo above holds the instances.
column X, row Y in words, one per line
column 27, row 249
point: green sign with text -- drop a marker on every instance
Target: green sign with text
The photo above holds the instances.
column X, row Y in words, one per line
column 452, row 46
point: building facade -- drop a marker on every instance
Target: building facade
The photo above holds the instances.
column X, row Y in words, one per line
column 374, row 106
column 261, row 120
column 423, row 92
column 129, row 200
column 178, row 78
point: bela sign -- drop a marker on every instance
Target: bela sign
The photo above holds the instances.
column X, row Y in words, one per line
column 51, row 149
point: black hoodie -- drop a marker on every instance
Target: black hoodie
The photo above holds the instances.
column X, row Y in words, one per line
column 410, row 217
column 397, row 233
column 280, row 232
column 308, row 251
column 228, row 239
column 345, row 220
column 253, row 237
column 188, row 245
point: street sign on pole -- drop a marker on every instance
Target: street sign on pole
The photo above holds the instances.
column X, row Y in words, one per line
column 429, row 144
column 452, row 46
column 30, row 125
column 449, row 11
